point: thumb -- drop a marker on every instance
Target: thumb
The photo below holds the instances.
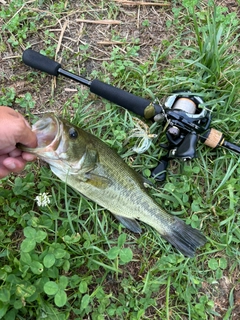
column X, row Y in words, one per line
column 28, row 138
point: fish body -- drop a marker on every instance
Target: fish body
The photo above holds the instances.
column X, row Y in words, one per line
column 92, row 168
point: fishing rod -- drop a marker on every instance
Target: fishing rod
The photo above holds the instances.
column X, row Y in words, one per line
column 187, row 122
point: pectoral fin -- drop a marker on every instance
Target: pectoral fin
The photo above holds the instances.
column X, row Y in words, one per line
column 90, row 160
column 97, row 181
column 89, row 164
column 131, row 224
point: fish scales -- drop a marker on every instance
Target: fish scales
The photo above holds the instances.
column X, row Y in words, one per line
column 92, row 168
column 126, row 194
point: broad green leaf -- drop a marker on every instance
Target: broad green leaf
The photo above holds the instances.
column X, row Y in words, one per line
column 18, row 304
column 122, row 239
column 218, row 273
column 25, row 291
column 126, row 255
column 66, row 265
column 59, row 253
column 24, row 269
column 63, row 282
column 29, row 232
column 28, row 245
column 40, row 236
column 3, row 275
column 83, row 287
column 72, row 239
column 3, row 309
column 4, row 295
column 53, row 272
column 213, row 264
column 36, row 267
column 60, row 298
column 49, row 260
column 113, row 253
column 7, row 268
column 223, row 263
column 50, row 288
column 26, row 258
column 85, row 301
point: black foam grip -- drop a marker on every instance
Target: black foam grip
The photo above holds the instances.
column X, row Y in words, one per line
column 231, row 146
column 120, row 97
column 38, row 61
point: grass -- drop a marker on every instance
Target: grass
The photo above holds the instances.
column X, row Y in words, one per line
column 71, row 259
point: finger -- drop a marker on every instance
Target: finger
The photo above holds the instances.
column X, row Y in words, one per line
column 28, row 156
column 28, row 138
column 3, row 170
column 6, row 150
column 15, row 153
column 14, row 164
column 25, row 155
column 27, row 123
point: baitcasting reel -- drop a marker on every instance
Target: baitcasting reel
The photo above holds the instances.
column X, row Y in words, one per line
column 187, row 122
column 185, row 119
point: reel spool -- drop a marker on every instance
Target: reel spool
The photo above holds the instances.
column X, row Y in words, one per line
column 185, row 104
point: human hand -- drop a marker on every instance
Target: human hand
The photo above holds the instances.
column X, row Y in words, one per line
column 14, row 129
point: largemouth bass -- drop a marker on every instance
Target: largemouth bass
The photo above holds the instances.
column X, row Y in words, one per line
column 92, row 168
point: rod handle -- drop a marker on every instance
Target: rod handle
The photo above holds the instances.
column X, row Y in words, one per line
column 129, row 101
column 40, row 62
column 231, row 146
column 138, row 105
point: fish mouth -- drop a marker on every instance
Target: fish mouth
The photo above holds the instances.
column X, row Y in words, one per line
column 48, row 132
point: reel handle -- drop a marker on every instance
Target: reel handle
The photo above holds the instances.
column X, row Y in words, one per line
column 129, row 101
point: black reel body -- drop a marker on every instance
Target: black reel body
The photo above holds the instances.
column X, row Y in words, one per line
column 185, row 121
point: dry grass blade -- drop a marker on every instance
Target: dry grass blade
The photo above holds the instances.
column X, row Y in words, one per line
column 143, row 3
column 60, row 38
column 99, row 21
column 107, row 43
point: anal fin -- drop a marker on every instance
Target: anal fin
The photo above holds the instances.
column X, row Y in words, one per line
column 130, row 224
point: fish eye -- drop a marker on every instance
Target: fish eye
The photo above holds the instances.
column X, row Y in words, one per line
column 73, row 133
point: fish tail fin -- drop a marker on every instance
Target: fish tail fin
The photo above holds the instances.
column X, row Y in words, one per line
column 185, row 238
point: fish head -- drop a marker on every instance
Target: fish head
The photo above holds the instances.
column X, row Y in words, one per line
column 59, row 143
